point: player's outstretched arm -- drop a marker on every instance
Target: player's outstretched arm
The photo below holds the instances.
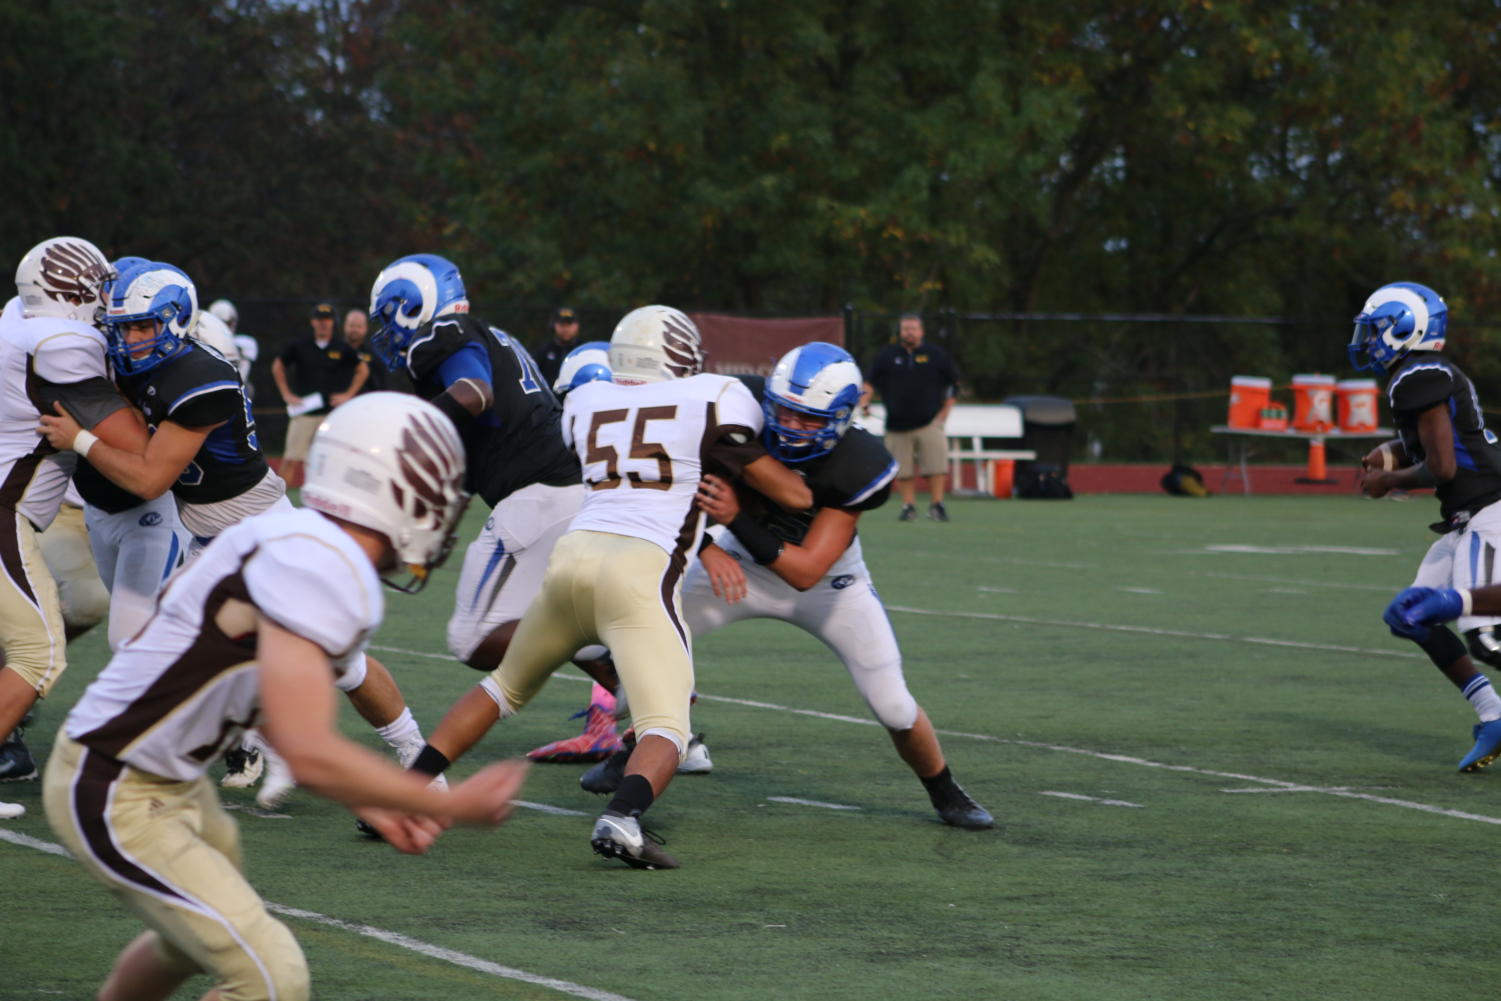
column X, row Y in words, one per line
column 147, row 473
column 297, row 695
column 778, row 484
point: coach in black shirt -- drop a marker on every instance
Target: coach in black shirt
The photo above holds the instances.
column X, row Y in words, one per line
column 917, row 382
column 320, row 364
column 565, row 337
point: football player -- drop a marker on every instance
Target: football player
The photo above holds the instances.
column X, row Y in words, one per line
column 806, row 567
column 1442, row 443
column 50, row 353
column 487, row 383
column 254, row 633
column 644, row 441
column 204, row 450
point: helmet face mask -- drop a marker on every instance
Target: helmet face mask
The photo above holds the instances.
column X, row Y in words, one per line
column 1396, row 320
column 655, row 343
column 588, row 362
column 155, row 293
column 64, row 277
column 407, row 293
column 818, row 380
column 393, row 464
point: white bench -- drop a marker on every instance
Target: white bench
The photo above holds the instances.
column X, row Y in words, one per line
column 967, row 427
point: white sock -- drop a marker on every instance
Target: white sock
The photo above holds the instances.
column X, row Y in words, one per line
column 404, row 729
column 1483, row 697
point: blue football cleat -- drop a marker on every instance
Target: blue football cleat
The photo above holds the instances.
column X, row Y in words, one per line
column 1487, row 747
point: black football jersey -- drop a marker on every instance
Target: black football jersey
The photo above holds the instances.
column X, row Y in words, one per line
column 518, row 441
column 855, row 475
column 1426, row 379
column 194, row 389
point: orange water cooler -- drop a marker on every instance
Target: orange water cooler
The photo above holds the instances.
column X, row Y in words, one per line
column 1248, row 395
column 1313, row 402
column 1356, row 404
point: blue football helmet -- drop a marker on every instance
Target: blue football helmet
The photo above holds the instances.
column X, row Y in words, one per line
column 819, row 380
column 409, row 292
column 1397, row 319
column 588, row 362
column 154, row 291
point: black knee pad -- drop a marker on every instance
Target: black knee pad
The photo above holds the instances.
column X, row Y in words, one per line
column 1485, row 645
column 1442, row 646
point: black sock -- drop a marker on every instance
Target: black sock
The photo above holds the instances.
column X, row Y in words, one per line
column 940, row 782
column 632, row 797
column 430, row 761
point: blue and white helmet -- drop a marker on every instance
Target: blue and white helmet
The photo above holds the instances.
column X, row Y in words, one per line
column 409, row 292
column 1396, row 319
column 818, row 379
column 149, row 291
column 588, row 362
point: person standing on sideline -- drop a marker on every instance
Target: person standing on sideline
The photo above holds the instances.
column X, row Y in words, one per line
column 314, row 374
column 565, row 337
column 917, row 382
column 247, row 349
column 357, row 335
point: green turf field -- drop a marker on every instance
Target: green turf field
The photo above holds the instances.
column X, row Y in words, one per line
column 1215, row 775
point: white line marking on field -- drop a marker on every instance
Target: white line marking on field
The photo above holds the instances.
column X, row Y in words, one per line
column 1140, row 590
column 1037, row 563
column 998, row 590
column 1090, row 799
column 256, row 811
column 545, row 808
column 1300, row 550
column 1345, row 585
column 25, row 841
column 810, row 802
column 1100, row 755
column 389, row 937
column 1153, row 631
column 1330, row 789
column 1285, row 590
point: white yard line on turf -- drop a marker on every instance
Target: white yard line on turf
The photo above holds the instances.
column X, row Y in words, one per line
column 1124, row 759
column 1089, row 799
column 809, row 802
column 437, row 952
column 1111, row 627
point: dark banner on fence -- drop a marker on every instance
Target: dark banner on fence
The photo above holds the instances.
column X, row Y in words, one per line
column 739, row 345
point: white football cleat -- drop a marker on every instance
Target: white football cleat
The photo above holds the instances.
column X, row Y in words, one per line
column 278, row 783
column 244, row 765
column 696, row 758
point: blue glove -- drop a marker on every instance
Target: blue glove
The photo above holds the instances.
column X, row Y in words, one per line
column 1415, row 609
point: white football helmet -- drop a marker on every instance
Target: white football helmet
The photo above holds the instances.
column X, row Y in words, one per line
column 655, row 343
column 210, row 329
column 64, row 277
column 392, row 463
column 225, row 310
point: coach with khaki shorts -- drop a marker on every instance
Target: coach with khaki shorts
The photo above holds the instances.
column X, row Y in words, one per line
column 917, row 382
column 314, row 374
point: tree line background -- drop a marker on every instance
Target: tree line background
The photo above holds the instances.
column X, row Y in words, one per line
column 998, row 166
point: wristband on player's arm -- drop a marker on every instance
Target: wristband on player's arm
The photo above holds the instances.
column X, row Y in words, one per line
column 758, row 540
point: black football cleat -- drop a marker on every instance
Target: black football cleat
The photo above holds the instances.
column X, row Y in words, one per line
column 958, row 809
column 16, row 763
column 604, row 778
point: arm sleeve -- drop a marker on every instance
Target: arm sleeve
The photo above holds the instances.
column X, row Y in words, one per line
column 866, row 472
column 308, row 587
column 469, row 362
column 89, row 401
column 735, row 443
column 951, row 372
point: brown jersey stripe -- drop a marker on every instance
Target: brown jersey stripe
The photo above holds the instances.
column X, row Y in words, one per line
column 90, row 795
column 211, row 654
column 688, row 533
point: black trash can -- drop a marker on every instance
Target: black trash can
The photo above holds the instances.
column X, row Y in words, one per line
column 1047, row 429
